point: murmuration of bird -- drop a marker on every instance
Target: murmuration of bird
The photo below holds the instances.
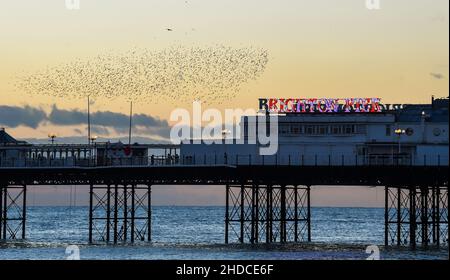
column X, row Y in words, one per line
column 178, row 74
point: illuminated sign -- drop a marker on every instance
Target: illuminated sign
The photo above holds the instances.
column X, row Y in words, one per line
column 321, row 105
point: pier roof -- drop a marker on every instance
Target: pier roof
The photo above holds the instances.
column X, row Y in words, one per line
column 6, row 139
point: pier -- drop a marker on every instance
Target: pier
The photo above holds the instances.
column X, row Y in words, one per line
column 267, row 199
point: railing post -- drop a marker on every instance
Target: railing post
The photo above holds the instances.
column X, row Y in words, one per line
column 249, row 159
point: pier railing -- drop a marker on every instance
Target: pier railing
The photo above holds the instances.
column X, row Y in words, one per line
column 234, row 160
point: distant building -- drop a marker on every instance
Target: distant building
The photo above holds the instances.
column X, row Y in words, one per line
column 411, row 135
column 121, row 154
column 12, row 151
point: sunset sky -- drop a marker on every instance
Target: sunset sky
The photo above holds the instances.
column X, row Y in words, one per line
column 316, row 48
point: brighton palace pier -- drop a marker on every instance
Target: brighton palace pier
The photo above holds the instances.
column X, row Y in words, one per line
column 403, row 149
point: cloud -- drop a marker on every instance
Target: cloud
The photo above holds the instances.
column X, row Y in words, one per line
column 78, row 131
column 102, row 122
column 107, row 119
column 67, row 117
column 438, row 76
column 100, row 130
column 13, row 116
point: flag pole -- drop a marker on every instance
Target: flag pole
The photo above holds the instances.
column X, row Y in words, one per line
column 89, row 121
column 131, row 123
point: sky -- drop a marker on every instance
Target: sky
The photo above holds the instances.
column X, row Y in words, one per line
column 320, row 48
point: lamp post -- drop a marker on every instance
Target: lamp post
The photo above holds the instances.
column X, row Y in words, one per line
column 93, row 138
column 92, row 141
column 52, row 137
column 52, row 153
column 399, row 132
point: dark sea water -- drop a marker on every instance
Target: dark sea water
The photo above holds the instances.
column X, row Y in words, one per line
column 198, row 233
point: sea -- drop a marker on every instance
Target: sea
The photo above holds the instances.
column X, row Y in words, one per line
column 197, row 233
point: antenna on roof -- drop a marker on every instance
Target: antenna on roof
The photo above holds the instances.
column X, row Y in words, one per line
column 89, row 121
column 131, row 120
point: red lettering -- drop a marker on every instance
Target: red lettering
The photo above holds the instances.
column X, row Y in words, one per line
column 273, row 104
column 375, row 105
column 348, row 105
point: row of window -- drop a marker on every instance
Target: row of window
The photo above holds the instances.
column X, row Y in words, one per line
column 289, row 129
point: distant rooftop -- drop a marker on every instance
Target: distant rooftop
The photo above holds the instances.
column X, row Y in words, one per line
column 6, row 139
column 437, row 111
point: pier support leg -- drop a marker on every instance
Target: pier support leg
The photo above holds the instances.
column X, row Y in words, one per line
column 227, row 212
column 1, row 212
column 442, row 228
column 276, row 213
column 412, row 217
column 116, row 213
column 91, row 194
column 13, row 202
column 130, row 206
column 397, row 216
column 416, row 215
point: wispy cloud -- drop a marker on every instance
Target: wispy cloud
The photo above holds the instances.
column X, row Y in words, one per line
column 13, row 116
column 102, row 122
column 438, row 76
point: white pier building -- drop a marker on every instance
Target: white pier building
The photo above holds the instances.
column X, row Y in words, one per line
column 415, row 134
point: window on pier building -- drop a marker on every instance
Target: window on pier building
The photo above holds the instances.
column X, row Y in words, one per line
column 292, row 129
column 310, row 129
column 296, row 129
column 349, row 129
column 284, row 129
column 322, row 129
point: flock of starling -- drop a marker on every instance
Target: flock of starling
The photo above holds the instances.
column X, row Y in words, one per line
column 176, row 74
